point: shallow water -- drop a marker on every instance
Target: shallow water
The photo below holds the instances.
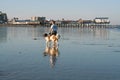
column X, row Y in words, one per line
column 83, row 54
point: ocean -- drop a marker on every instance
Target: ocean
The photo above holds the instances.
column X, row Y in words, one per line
column 83, row 54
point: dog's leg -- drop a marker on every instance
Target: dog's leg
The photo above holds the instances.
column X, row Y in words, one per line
column 47, row 43
column 55, row 43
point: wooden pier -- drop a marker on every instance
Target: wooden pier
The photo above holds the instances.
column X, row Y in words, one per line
column 97, row 22
column 80, row 25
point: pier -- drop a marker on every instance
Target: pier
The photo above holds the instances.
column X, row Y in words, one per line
column 97, row 22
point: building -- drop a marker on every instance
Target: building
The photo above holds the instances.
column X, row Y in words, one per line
column 40, row 19
column 3, row 18
column 24, row 22
column 101, row 20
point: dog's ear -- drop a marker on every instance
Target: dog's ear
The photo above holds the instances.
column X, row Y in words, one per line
column 45, row 35
column 50, row 34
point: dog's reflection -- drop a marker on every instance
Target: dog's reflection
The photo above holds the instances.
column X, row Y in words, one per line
column 53, row 53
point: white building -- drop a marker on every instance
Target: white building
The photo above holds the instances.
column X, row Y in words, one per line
column 102, row 20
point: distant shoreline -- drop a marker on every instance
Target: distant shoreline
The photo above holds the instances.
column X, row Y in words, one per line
column 7, row 25
column 63, row 25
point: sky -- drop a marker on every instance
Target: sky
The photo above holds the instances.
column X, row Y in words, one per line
column 58, row 9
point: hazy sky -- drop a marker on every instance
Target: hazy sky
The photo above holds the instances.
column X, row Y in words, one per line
column 58, row 9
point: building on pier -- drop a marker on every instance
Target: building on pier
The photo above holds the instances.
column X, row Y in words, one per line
column 101, row 20
column 32, row 21
column 42, row 20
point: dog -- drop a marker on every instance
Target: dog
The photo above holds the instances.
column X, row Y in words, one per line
column 51, row 39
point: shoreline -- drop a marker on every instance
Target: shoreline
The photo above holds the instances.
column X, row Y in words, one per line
column 12, row 25
column 61, row 25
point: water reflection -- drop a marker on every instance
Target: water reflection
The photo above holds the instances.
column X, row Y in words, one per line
column 3, row 34
column 10, row 33
column 83, row 33
column 53, row 53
